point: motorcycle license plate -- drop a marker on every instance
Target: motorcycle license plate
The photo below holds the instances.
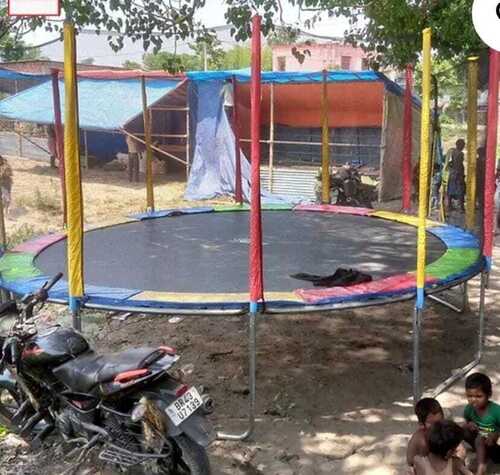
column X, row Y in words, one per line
column 184, row 406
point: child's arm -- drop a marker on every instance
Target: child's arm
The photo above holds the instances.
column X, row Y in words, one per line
column 416, row 446
column 459, row 467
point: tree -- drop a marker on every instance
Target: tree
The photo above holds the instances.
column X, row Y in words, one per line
column 15, row 50
column 171, row 62
column 240, row 57
column 88, row 61
column 131, row 65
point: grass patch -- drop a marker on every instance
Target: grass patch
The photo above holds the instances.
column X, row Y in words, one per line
column 46, row 202
column 20, row 234
column 3, row 431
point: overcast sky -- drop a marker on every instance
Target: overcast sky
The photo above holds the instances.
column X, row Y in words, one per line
column 213, row 15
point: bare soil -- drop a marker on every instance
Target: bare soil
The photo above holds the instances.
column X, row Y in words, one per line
column 333, row 389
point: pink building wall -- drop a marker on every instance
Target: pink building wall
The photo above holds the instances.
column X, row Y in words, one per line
column 323, row 56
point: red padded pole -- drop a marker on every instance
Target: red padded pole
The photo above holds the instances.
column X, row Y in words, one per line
column 491, row 146
column 255, row 268
column 236, row 128
column 59, row 139
column 407, row 139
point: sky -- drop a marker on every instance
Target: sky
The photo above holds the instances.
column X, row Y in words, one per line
column 213, row 15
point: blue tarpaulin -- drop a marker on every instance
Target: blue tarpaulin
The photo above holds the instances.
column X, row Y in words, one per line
column 103, row 104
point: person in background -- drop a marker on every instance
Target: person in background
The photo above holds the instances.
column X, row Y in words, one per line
column 5, row 183
column 456, row 175
column 51, row 144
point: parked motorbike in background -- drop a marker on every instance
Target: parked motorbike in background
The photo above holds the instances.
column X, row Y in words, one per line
column 348, row 189
column 132, row 406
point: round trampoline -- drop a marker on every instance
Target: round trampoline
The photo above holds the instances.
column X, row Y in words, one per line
column 196, row 260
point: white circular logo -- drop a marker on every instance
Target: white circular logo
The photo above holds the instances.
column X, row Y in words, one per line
column 486, row 18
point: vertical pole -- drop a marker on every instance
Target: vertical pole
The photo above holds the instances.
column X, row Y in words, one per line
column 4, row 295
column 422, row 209
column 491, row 146
column 85, row 150
column 19, row 143
column 325, row 143
column 73, row 176
column 59, row 138
column 238, row 193
column 188, row 136
column 407, row 140
column 150, row 204
column 205, row 59
column 271, row 138
column 472, row 85
column 482, row 299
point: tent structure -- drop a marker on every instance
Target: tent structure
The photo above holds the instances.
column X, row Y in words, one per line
column 365, row 121
column 107, row 101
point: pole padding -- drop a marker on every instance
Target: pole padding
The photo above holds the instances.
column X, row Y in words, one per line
column 491, row 155
column 406, row 167
column 325, row 143
column 425, row 151
column 72, row 168
column 150, row 199
column 472, row 97
column 255, row 257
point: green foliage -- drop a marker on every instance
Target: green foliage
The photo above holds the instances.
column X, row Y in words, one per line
column 131, row 65
column 173, row 63
column 12, row 49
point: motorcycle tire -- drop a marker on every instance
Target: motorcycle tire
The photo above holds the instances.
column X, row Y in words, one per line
column 193, row 457
column 9, row 404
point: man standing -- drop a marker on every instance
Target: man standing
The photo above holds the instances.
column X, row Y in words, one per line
column 456, row 176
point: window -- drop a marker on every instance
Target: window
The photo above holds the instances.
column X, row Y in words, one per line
column 365, row 64
column 281, row 63
column 345, row 63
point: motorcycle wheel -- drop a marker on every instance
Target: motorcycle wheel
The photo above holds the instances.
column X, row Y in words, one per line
column 191, row 458
column 9, row 404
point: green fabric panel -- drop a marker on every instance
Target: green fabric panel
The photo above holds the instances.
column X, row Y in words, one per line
column 246, row 207
column 15, row 266
column 453, row 261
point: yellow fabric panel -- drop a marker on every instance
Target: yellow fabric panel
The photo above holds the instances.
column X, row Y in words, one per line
column 403, row 218
column 470, row 205
column 325, row 145
column 425, row 156
column 72, row 166
column 189, row 297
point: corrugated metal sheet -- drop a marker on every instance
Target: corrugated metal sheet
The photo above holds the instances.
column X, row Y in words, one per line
column 292, row 182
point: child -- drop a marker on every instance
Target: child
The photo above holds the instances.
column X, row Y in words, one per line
column 428, row 411
column 482, row 420
column 443, row 439
column 5, row 184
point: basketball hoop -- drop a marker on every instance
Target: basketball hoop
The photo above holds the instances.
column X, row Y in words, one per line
column 34, row 8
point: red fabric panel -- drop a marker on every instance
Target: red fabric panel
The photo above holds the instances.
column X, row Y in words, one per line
column 255, row 265
column 352, row 104
column 37, row 245
column 491, row 146
column 396, row 283
column 335, row 209
column 59, row 139
column 407, row 139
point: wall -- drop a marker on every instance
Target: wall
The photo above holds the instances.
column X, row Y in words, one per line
column 323, row 56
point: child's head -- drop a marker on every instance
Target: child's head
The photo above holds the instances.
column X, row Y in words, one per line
column 478, row 390
column 460, row 144
column 428, row 411
column 443, row 438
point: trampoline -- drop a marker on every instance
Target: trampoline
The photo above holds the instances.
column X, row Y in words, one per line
column 196, row 260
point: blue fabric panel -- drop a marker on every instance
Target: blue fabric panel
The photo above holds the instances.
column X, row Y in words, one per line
column 103, row 104
column 104, row 145
column 455, row 237
column 169, row 212
column 16, row 76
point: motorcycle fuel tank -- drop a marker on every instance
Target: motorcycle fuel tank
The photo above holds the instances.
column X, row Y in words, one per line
column 54, row 346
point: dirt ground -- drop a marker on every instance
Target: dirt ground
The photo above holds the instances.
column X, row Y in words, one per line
column 333, row 390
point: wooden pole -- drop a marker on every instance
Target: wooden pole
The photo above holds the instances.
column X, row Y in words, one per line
column 150, row 204
column 407, row 140
column 271, row 138
column 59, row 138
column 85, row 150
column 325, row 148
column 472, row 97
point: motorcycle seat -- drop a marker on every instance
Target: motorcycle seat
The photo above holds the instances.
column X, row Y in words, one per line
column 89, row 369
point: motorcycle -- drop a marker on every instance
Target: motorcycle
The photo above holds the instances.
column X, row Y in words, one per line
column 131, row 405
column 347, row 189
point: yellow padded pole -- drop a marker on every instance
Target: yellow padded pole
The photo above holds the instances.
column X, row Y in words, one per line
column 325, row 143
column 425, row 152
column 472, row 96
column 72, row 169
column 150, row 199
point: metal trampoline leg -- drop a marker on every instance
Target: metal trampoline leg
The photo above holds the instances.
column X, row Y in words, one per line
column 417, row 316
column 482, row 298
column 252, row 364
column 465, row 300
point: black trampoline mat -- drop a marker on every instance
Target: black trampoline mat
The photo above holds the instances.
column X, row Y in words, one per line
column 208, row 252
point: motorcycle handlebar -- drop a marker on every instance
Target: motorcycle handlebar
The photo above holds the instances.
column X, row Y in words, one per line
column 49, row 284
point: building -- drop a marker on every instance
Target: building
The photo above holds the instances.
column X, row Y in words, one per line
column 334, row 55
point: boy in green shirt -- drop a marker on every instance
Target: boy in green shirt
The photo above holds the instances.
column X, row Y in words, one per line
column 482, row 420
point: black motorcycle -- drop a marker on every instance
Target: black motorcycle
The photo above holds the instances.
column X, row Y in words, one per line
column 129, row 406
column 347, row 189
